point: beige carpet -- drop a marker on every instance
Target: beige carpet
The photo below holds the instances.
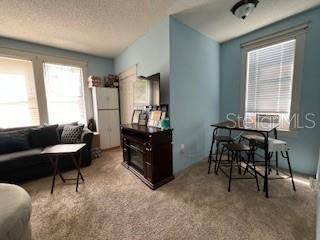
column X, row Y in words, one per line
column 114, row 204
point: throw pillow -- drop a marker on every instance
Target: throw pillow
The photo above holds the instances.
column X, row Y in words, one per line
column 14, row 141
column 71, row 134
column 44, row 136
column 61, row 126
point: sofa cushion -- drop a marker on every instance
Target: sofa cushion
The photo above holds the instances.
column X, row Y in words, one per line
column 61, row 126
column 13, row 141
column 21, row 159
column 44, row 136
column 72, row 134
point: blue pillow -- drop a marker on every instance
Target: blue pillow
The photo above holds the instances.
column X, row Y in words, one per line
column 14, row 141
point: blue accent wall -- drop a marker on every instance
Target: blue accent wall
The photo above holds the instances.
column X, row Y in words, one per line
column 305, row 144
column 194, row 93
column 151, row 53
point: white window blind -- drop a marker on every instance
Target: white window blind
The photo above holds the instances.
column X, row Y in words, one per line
column 64, row 92
column 269, row 81
column 18, row 99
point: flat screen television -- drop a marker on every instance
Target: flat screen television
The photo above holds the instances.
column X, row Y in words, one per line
column 147, row 91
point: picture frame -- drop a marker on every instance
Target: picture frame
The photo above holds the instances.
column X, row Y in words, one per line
column 136, row 116
column 154, row 118
column 143, row 118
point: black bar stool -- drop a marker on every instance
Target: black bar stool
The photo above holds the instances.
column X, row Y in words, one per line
column 218, row 140
column 274, row 146
column 236, row 149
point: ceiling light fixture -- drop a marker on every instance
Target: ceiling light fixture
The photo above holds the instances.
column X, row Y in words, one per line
column 243, row 8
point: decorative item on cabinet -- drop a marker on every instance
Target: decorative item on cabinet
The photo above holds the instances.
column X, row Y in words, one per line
column 95, row 81
column 143, row 118
column 136, row 116
column 106, row 81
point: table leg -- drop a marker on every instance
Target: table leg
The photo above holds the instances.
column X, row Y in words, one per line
column 78, row 165
column 277, row 158
column 266, row 155
column 60, row 174
column 211, row 150
column 55, row 167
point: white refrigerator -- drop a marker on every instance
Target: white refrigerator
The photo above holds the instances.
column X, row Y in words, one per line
column 106, row 115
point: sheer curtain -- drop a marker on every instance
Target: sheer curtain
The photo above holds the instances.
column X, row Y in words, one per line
column 64, row 92
column 18, row 99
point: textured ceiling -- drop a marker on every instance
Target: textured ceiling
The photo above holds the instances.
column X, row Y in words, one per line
column 216, row 21
column 99, row 27
column 107, row 27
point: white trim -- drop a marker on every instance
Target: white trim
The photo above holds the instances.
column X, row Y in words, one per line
column 28, row 55
column 297, row 74
column 15, row 53
column 87, row 97
column 40, row 90
column 243, row 86
column 63, row 61
column 275, row 37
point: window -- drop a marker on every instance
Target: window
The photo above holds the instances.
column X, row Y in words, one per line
column 37, row 89
column 269, row 83
column 64, row 92
column 18, row 99
column 141, row 93
column 271, row 70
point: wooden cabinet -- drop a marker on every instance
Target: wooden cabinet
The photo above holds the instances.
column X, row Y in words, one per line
column 109, row 128
column 147, row 152
column 107, row 98
column 106, row 114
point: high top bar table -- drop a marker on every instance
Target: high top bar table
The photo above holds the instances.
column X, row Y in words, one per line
column 263, row 129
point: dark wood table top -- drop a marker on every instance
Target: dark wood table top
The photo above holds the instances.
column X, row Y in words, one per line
column 63, row 148
column 144, row 129
column 245, row 126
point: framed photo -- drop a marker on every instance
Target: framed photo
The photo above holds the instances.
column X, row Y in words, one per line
column 136, row 116
column 154, row 118
column 143, row 118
